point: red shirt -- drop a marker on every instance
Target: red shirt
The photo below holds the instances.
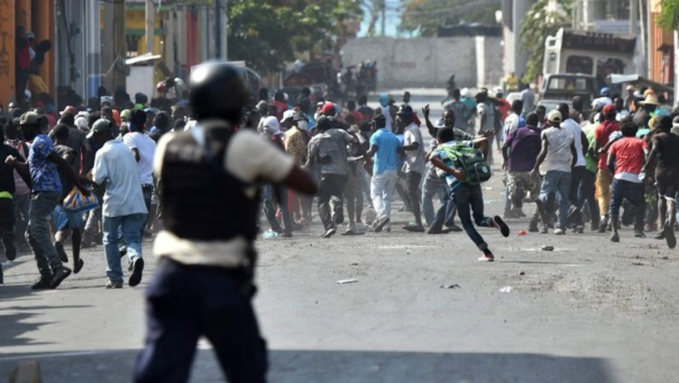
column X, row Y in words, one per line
column 601, row 134
column 280, row 108
column 629, row 155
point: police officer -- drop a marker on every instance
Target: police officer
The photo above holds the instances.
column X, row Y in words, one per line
column 203, row 284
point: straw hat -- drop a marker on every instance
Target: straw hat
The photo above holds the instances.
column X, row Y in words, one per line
column 650, row 99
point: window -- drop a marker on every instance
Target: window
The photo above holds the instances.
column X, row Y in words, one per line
column 579, row 64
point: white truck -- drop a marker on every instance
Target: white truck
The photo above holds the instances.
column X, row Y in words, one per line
column 589, row 53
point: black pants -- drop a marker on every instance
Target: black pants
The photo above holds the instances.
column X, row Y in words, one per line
column 184, row 303
column 586, row 194
column 332, row 185
column 6, row 225
column 414, row 194
column 577, row 177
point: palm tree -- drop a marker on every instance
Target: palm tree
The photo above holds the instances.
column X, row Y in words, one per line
column 543, row 19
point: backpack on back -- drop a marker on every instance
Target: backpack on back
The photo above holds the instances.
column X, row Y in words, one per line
column 470, row 160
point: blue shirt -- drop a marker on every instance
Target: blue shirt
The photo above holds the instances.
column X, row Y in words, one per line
column 452, row 181
column 44, row 174
column 386, row 157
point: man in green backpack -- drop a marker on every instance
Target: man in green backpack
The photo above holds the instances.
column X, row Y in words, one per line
column 464, row 172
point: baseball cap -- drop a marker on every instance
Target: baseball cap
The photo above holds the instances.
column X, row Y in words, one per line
column 299, row 116
column 675, row 122
column 101, row 125
column 605, row 92
column 554, row 116
column 608, row 110
column 288, row 114
column 30, row 118
column 328, row 108
column 68, row 109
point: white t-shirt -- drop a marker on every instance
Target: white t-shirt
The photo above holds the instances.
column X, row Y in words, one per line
column 576, row 131
column 415, row 161
column 116, row 168
column 248, row 158
column 559, row 154
column 147, row 149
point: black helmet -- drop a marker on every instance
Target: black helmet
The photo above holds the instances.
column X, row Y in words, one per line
column 217, row 91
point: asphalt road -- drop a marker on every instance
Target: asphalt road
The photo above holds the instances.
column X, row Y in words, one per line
column 589, row 311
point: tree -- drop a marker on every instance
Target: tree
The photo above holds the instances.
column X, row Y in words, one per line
column 265, row 34
column 425, row 16
column 543, row 19
column 669, row 14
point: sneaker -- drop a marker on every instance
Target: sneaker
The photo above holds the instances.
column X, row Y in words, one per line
column 114, row 285
column 349, row 231
column 78, row 266
column 544, row 230
column 10, row 250
column 62, row 253
column 559, row 232
column 615, row 238
column 381, row 224
column 669, row 236
column 414, row 229
column 41, row 284
column 361, row 228
column 499, row 224
column 137, row 268
column 487, row 258
column 329, row 233
column 60, row 274
column 580, row 229
column 603, row 225
column 454, row 228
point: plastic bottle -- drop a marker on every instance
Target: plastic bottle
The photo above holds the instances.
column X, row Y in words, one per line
column 270, row 235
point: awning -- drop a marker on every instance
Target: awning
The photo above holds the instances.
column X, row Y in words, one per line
column 636, row 79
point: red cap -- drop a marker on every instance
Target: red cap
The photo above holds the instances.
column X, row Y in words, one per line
column 328, row 108
column 609, row 109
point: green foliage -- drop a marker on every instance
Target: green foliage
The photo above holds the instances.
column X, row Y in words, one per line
column 543, row 19
column 669, row 15
column 267, row 33
column 425, row 16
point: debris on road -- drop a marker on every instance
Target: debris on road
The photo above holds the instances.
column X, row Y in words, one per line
column 346, row 281
column 455, row 286
column 506, row 289
column 522, row 233
column 547, row 248
column 522, row 273
column 637, row 264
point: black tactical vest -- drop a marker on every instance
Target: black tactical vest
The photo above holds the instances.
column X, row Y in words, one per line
column 200, row 200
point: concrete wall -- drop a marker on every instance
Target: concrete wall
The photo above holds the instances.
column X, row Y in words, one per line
column 428, row 62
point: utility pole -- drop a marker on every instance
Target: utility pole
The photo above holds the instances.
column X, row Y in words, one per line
column 384, row 17
column 150, row 25
column 220, row 30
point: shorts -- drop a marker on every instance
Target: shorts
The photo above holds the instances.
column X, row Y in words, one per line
column 667, row 184
column 526, row 182
column 66, row 219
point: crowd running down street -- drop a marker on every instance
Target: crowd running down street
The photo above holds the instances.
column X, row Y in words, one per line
column 206, row 171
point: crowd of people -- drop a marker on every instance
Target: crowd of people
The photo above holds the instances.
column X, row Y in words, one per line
column 576, row 166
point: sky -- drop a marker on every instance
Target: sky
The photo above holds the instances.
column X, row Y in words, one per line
column 392, row 21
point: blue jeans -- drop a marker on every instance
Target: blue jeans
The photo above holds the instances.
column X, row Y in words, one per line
column 468, row 200
column 270, row 202
column 430, row 189
column 130, row 226
column 557, row 182
column 40, row 213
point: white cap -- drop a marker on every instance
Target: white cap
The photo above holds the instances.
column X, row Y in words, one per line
column 288, row 114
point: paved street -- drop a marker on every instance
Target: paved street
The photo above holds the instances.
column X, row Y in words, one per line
column 590, row 311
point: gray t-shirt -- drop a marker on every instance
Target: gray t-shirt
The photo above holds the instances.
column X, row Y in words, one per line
column 324, row 145
column 528, row 99
column 415, row 161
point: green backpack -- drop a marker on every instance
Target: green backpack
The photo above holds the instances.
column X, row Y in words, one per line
column 476, row 168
